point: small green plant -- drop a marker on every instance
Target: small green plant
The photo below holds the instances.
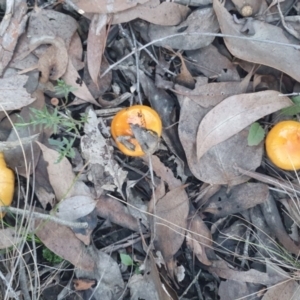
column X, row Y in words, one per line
column 51, row 257
column 256, row 134
column 127, row 261
column 294, row 109
column 63, row 89
column 57, row 121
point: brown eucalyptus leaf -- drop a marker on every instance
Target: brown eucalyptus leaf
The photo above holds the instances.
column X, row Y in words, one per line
column 96, row 44
column 198, row 238
column 210, row 94
column 240, row 198
column 62, row 241
column 71, row 77
column 287, row 289
column 200, row 20
column 278, row 56
column 217, row 165
column 167, row 13
column 172, row 209
column 210, row 62
column 106, row 6
column 234, row 114
column 60, row 173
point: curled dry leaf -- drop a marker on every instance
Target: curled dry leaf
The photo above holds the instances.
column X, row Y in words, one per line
column 234, row 114
column 200, row 20
column 217, row 165
column 13, row 95
column 167, row 14
column 53, row 62
column 278, row 56
column 170, row 228
column 106, row 6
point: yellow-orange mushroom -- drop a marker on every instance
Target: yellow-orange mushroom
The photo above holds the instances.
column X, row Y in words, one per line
column 283, row 145
column 141, row 115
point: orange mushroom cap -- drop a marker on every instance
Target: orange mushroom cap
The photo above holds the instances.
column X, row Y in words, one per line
column 283, row 145
column 141, row 115
column 7, row 184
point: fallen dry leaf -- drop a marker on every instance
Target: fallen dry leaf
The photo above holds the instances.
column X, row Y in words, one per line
column 200, row 20
column 13, row 94
column 148, row 286
column 166, row 13
column 62, row 241
column 75, row 207
column 116, row 212
column 278, row 56
column 240, row 198
column 61, row 176
column 234, row 289
column 198, row 238
column 210, row 62
column 106, row 6
column 171, row 209
column 220, row 268
column 24, row 156
column 96, row 44
column 234, row 114
column 53, row 62
column 97, row 151
column 12, row 27
column 9, row 237
column 287, row 289
column 106, row 272
column 210, row 94
column 217, row 165
column 72, row 78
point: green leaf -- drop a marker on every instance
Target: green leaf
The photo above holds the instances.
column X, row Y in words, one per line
column 256, row 134
column 294, row 109
column 291, row 110
column 296, row 99
column 126, row 259
column 51, row 257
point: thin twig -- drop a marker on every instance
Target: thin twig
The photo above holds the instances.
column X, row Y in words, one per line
column 28, row 213
column 297, row 47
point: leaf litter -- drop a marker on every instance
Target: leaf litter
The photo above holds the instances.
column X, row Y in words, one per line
column 207, row 215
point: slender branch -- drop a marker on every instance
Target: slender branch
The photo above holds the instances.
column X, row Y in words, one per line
column 37, row 215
